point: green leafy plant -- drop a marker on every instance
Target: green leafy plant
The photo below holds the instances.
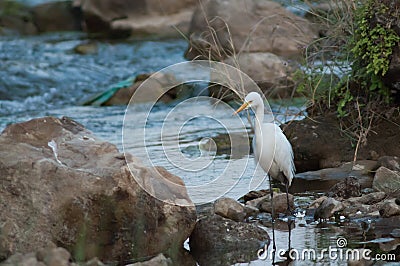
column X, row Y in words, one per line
column 372, row 45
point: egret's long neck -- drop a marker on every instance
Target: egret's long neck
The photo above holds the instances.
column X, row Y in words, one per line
column 258, row 120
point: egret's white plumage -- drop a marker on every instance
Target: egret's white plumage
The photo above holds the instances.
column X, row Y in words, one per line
column 272, row 150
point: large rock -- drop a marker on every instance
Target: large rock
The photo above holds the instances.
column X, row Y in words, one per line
column 269, row 71
column 321, row 142
column 121, row 18
column 220, row 28
column 57, row 16
column 61, row 184
column 220, row 241
column 16, row 17
column 386, row 180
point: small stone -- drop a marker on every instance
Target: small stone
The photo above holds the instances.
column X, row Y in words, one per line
column 395, row 233
column 389, row 209
column 57, row 257
column 279, row 202
column 349, row 187
column 230, row 208
column 86, row 48
column 94, row 262
column 159, row 260
column 328, row 208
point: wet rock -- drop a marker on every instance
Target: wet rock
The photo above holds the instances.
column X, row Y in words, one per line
column 390, row 162
column 254, row 195
column 159, row 260
column 154, row 87
column 389, row 209
column 330, row 147
column 395, row 233
column 230, row 208
column 317, row 202
column 57, row 16
column 119, row 18
column 216, row 239
column 328, row 208
column 62, row 184
column 349, row 187
column 221, row 28
column 279, row 202
column 325, row 179
column 86, row 48
column 386, row 180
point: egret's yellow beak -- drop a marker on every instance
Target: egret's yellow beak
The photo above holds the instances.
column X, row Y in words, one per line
column 241, row 108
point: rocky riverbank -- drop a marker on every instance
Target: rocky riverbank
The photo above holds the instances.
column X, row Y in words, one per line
column 63, row 186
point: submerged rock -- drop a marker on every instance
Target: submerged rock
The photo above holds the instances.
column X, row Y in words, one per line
column 61, row 184
column 386, row 180
column 220, row 241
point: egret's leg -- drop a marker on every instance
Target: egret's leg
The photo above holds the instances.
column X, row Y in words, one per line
column 272, row 214
column 287, row 198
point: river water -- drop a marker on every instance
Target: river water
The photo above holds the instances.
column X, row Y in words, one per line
column 41, row 76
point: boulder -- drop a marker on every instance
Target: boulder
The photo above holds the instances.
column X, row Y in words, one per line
column 220, row 241
column 221, row 28
column 16, row 17
column 230, row 208
column 269, row 71
column 62, row 184
column 321, row 142
column 386, row 180
column 328, row 208
column 57, row 16
column 120, row 18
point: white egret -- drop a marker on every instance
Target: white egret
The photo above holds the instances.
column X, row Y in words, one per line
column 272, row 150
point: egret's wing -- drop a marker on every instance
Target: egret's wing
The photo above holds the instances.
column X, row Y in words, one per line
column 284, row 154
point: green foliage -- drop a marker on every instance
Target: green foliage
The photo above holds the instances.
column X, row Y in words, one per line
column 372, row 46
column 362, row 35
column 11, row 8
